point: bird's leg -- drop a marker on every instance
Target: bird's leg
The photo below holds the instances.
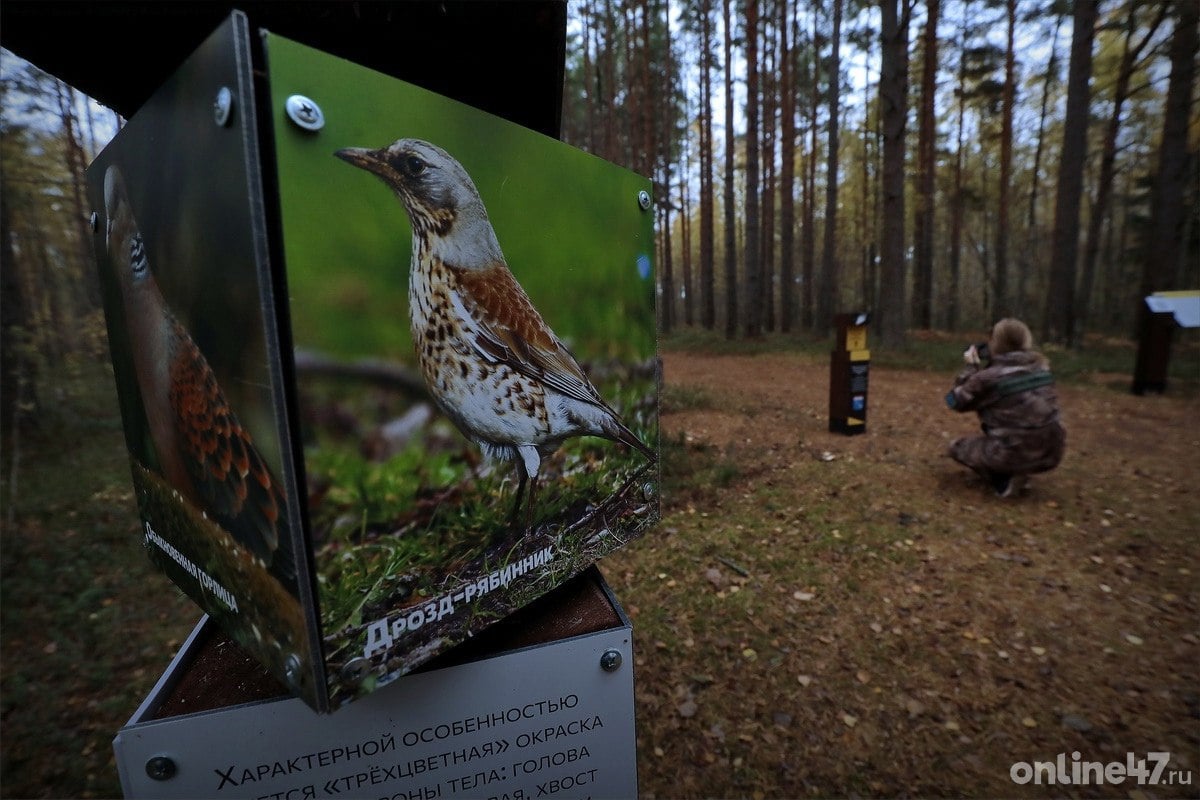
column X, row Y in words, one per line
column 530, row 464
column 516, row 509
column 529, row 505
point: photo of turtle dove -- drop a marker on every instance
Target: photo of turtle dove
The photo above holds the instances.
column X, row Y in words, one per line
column 1014, row 396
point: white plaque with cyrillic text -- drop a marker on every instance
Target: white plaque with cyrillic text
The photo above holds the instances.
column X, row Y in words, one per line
column 550, row 721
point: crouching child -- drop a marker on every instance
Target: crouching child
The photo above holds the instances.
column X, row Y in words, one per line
column 1014, row 396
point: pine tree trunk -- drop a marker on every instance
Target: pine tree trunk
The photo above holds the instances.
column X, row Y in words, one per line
column 876, row 206
column 685, row 223
column 866, row 218
column 650, row 106
column 1108, row 156
column 893, row 96
column 1059, row 324
column 1164, row 243
column 84, row 288
column 1001, row 307
column 667, row 308
column 770, row 92
column 661, row 144
column 592, row 91
column 953, row 300
column 17, row 369
column 731, row 283
column 753, row 269
column 827, row 297
column 608, row 87
column 923, row 218
column 809, row 237
column 787, row 176
column 707, row 278
column 632, row 90
column 1034, row 227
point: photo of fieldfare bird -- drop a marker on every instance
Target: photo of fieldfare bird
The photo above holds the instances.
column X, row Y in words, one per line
column 203, row 450
column 490, row 361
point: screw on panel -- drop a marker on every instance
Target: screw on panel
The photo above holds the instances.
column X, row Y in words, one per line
column 355, row 670
column 304, row 112
column 610, row 661
column 644, row 200
column 223, row 106
column 161, row 768
column 293, row 669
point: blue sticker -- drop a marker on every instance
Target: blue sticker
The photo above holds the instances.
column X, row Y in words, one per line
column 643, row 266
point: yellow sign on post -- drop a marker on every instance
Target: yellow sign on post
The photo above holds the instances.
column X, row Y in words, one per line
column 848, row 374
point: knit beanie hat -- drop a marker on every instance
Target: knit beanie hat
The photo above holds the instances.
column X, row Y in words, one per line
column 1010, row 335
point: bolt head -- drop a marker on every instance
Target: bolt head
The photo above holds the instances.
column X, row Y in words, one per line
column 161, row 768
column 354, row 670
column 305, row 113
column 610, row 661
column 644, row 200
column 223, row 106
column 293, row 668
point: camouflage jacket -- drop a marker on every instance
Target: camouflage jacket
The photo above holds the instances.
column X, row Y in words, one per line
column 1014, row 393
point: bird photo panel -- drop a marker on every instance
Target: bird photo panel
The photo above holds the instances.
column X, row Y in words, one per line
column 472, row 309
column 386, row 390
column 192, row 335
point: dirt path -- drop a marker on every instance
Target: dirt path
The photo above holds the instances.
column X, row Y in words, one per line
column 897, row 629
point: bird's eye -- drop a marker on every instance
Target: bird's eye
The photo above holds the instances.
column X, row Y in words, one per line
column 414, row 166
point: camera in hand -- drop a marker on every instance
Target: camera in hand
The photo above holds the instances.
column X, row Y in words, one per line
column 982, row 350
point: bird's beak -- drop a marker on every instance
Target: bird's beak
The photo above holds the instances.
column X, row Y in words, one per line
column 370, row 160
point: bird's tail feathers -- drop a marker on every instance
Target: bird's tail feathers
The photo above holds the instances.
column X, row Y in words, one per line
column 622, row 434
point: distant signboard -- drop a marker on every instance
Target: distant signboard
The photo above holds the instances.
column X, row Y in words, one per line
column 1185, row 306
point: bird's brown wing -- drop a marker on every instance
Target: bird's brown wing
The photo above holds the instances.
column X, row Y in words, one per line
column 233, row 481
column 510, row 331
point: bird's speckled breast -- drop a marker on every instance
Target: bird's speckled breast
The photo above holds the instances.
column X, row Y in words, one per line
column 491, row 403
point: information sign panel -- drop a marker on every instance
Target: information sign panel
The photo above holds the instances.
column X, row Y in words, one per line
column 387, row 364
column 180, row 241
column 554, row 720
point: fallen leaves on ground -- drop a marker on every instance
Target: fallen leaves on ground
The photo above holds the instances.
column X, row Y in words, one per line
column 898, row 630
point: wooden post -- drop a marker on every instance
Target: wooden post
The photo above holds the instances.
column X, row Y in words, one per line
column 848, row 375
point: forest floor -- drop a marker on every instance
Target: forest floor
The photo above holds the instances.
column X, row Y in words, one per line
column 833, row 616
column 816, row 615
